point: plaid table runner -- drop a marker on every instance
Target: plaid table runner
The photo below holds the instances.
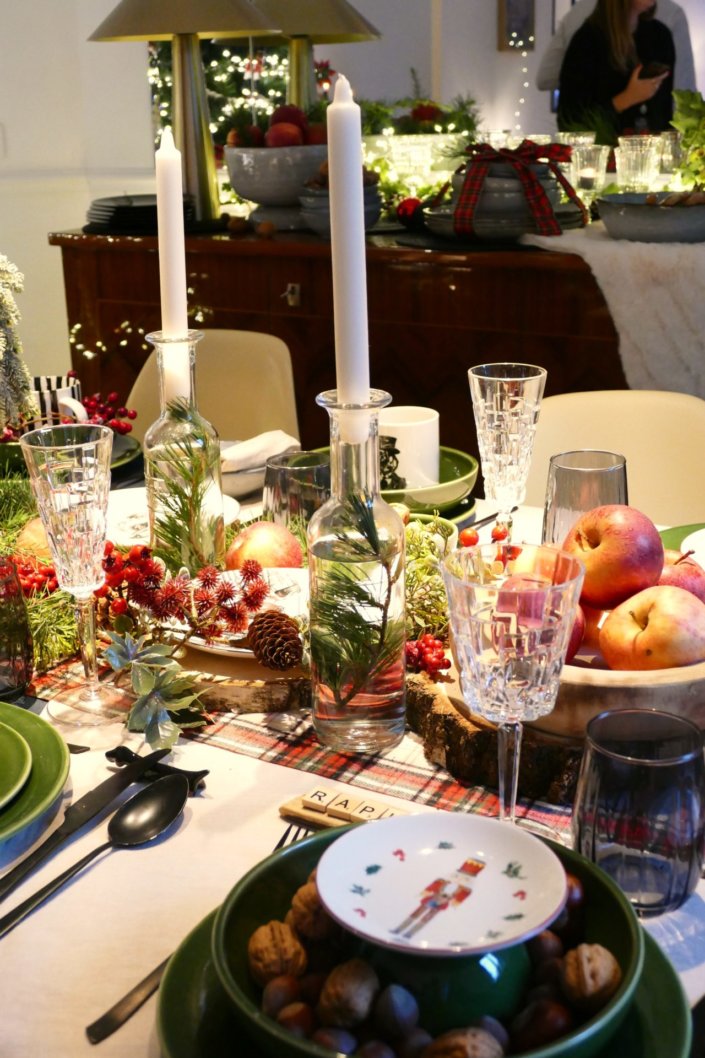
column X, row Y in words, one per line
column 288, row 739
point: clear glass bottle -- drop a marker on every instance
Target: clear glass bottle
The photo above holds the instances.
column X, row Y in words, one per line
column 357, row 604
column 182, row 465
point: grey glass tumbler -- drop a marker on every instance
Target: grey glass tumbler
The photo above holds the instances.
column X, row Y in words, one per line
column 296, row 484
column 639, row 810
column 577, row 482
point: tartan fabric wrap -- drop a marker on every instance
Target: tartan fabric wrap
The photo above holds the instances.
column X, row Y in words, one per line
column 527, row 154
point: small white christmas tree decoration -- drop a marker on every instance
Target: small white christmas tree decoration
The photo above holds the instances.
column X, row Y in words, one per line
column 17, row 402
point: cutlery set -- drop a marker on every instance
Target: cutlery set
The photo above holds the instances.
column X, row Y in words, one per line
column 147, row 815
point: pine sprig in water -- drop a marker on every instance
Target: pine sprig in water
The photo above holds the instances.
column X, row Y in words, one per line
column 352, row 638
column 182, row 478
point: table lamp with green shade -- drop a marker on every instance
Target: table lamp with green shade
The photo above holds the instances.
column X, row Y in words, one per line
column 185, row 23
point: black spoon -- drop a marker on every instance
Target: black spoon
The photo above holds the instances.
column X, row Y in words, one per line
column 141, row 819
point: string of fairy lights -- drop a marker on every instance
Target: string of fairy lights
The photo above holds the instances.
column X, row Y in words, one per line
column 240, row 84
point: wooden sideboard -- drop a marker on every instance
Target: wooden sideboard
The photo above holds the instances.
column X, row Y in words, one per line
column 432, row 314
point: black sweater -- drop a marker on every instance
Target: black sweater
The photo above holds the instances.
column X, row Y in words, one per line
column 589, row 82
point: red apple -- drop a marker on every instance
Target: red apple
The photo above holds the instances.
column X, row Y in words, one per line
column 576, row 634
column 622, row 552
column 661, row 627
column 524, row 594
column 594, row 619
column 266, row 542
column 283, row 135
column 316, row 133
column 289, row 114
column 684, row 572
column 249, row 136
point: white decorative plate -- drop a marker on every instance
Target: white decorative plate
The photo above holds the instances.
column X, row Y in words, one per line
column 442, row 883
column 696, row 543
column 128, row 520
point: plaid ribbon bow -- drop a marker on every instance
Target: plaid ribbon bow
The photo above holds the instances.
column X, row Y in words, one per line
column 521, row 160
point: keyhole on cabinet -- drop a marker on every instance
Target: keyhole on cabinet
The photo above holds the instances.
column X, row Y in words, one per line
column 293, row 295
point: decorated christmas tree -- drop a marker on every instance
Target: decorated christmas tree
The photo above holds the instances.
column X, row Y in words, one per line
column 16, row 399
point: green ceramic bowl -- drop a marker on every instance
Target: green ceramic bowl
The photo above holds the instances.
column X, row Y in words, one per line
column 458, row 473
column 265, row 893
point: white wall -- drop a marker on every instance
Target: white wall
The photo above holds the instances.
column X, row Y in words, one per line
column 74, row 125
column 75, row 120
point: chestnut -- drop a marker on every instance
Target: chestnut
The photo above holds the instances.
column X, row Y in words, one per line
column 335, row 1039
column 279, row 993
column 545, row 945
column 396, row 1012
column 539, row 1023
column 298, row 1018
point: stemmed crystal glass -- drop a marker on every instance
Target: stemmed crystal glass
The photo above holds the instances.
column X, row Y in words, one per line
column 69, row 468
column 511, row 613
column 506, row 399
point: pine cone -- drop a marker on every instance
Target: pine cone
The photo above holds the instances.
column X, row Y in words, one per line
column 275, row 640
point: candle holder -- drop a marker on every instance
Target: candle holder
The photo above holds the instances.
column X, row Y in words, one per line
column 356, row 568
column 182, row 465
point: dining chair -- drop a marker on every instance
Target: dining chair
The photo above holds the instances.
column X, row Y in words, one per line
column 244, row 386
column 661, row 434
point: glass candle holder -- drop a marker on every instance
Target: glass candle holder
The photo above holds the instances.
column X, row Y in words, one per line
column 356, row 573
column 182, row 465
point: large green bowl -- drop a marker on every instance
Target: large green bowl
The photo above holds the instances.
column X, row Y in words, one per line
column 265, row 893
column 457, row 472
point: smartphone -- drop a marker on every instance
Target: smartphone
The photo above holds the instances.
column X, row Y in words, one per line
column 654, row 69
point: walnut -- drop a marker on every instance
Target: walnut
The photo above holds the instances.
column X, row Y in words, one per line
column 348, row 994
column 591, row 975
column 308, row 916
column 464, row 1043
column 274, row 949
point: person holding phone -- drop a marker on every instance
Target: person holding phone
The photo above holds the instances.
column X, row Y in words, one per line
column 617, row 74
column 670, row 13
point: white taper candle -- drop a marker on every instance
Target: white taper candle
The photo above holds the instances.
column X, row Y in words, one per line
column 347, row 222
column 172, row 264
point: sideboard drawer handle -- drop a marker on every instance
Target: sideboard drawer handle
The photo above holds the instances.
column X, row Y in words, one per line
column 293, row 295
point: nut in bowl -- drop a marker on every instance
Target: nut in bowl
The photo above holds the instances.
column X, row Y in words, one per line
column 274, row 913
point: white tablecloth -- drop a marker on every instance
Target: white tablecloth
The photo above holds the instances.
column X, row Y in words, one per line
column 74, row 957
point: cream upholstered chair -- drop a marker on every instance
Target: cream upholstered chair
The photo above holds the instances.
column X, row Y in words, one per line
column 244, row 386
column 661, row 434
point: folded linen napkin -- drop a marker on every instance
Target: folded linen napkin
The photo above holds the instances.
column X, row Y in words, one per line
column 254, row 453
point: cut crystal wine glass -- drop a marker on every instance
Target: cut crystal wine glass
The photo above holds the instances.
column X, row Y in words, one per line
column 506, row 399
column 511, row 612
column 69, row 469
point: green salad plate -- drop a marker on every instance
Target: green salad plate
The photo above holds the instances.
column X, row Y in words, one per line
column 15, row 763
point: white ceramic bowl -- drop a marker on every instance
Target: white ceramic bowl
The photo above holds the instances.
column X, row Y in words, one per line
column 273, row 176
column 627, row 216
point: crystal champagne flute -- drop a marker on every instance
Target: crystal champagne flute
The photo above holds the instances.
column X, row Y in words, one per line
column 506, row 399
column 69, row 469
column 511, row 612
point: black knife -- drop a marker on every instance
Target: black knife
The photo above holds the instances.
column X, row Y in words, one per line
column 77, row 815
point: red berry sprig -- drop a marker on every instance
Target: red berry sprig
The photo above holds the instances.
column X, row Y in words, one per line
column 108, row 411
column 36, row 577
column 426, row 654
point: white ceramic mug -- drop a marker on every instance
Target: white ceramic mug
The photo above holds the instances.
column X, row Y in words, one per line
column 415, row 432
column 57, row 397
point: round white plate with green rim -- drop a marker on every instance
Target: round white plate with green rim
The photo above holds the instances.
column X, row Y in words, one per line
column 441, row 884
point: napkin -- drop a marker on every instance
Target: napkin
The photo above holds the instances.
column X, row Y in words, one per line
column 254, row 453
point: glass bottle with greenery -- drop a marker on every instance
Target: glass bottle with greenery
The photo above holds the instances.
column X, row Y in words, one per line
column 182, row 466
column 356, row 568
